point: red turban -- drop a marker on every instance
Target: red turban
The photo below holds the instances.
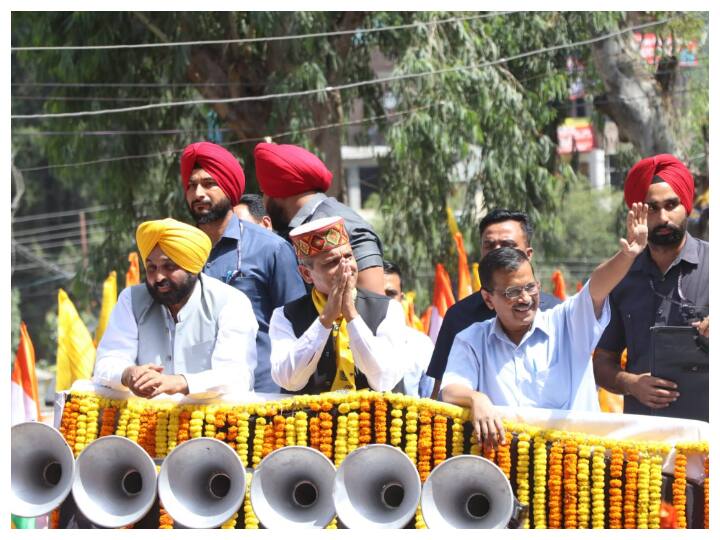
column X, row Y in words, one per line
column 667, row 167
column 284, row 170
column 218, row 163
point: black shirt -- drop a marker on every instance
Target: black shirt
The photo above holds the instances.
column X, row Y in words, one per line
column 679, row 297
column 467, row 311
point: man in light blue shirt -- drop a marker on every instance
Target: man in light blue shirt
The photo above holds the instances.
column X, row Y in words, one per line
column 524, row 357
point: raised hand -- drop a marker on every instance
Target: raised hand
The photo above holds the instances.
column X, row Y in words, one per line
column 637, row 230
column 348, row 305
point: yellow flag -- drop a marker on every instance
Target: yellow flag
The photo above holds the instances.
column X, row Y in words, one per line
column 75, row 351
column 464, row 287
column 452, row 224
column 109, row 299
column 132, row 277
column 476, row 285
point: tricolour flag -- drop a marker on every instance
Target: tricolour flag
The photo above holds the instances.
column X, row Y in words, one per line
column 24, row 399
column 442, row 299
column 109, row 299
column 132, row 277
column 25, row 402
column 75, row 350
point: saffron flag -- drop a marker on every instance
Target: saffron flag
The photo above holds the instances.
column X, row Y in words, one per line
column 25, row 402
column 24, row 399
column 75, row 350
column 132, row 277
column 464, row 282
column 109, row 299
column 475, row 277
column 559, row 283
column 442, row 299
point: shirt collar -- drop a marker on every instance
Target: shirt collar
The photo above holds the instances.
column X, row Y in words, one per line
column 233, row 229
column 307, row 210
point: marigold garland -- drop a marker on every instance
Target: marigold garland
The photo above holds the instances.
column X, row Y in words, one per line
column 411, row 435
column 706, row 492
column 632, row 466
column 425, row 447
column 251, row 520
column 615, row 499
column 346, row 420
column 523, row 471
column 583, row 486
column 679, row 499
column 419, row 520
column 643, row 489
column 656, row 464
column 555, row 480
column 570, row 485
column 598, row 487
column 439, row 435
column 539, row 482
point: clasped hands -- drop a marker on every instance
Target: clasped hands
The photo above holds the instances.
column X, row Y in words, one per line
column 148, row 381
column 340, row 301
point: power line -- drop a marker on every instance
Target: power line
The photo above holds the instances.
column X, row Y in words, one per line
column 66, row 235
column 18, row 234
column 355, row 31
column 231, row 143
column 63, row 213
column 107, row 133
column 346, row 86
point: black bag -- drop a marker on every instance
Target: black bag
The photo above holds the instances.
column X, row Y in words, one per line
column 680, row 354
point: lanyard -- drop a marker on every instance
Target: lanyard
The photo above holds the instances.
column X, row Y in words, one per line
column 232, row 275
column 688, row 310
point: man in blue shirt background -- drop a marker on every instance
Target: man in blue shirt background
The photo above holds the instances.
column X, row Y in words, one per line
column 244, row 255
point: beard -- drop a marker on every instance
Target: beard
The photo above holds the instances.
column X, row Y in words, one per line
column 277, row 215
column 177, row 292
column 216, row 212
column 672, row 238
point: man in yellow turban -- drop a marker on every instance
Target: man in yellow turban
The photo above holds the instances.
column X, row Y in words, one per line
column 338, row 337
column 181, row 331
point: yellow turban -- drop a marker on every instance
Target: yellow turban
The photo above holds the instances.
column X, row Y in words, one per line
column 186, row 245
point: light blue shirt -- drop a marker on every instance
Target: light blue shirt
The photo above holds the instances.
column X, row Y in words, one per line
column 550, row 368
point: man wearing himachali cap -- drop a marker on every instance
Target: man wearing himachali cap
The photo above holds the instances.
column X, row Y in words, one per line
column 180, row 331
column 666, row 286
column 244, row 255
column 338, row 337
column 294, row 182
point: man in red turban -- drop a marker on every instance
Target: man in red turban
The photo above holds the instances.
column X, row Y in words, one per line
column 294, row 182
column 666, row 286
column 250, row 258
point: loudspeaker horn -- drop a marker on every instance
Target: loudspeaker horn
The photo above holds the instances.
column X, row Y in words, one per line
column 202, row 483
column 115, row 482
column 292, row 487
column 469, row 492
column 376, row 486
column 42, row 467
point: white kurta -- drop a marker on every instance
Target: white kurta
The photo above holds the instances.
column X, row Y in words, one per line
column 233, row 357
column 381, row 358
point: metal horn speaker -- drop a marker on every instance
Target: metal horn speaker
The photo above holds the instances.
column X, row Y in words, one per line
column 42, row 467
column 202, row 483
column 469, row 492
column 376, row 486
column 115, row 482
column 292, row 487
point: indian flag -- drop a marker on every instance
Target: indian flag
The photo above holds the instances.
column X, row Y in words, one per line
column 24, row 404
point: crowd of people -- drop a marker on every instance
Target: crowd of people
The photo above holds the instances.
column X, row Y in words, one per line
column 288, row 292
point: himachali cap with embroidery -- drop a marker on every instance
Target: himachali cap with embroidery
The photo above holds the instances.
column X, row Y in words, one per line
column 320, row 235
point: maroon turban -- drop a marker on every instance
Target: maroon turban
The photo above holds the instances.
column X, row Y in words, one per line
column 218, row 163
column 284, row 170
column 667, row 167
